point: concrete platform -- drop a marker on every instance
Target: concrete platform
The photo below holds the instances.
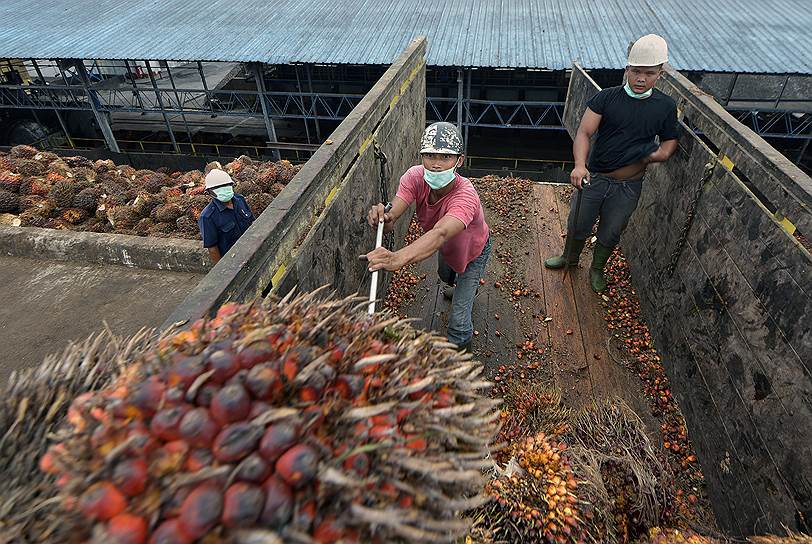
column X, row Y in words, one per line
column 46, row 304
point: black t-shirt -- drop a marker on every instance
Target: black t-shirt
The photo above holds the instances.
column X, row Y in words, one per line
column 628, row 126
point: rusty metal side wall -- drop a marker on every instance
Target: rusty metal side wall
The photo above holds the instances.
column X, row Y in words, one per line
column 732, row 322
column 269, row 251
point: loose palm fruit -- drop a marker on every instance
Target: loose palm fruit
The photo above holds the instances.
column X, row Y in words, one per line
column 328, row 531
column 147, row 395
column 243, row 505
column 198, row 428
column 201, row 510
column 127, row 529
column 130, row 476
column 206, row 393
column 298, row 465
column 224, row 364
column 170, row 532
column 253, row 469
column 263, row 382
column 199, row 459
column 230, row 404
column 254, row 354
column 185, row 371
column 278, row 503
column 102, row 501
column 165, row 425
column 277, row 439
column 237, row 441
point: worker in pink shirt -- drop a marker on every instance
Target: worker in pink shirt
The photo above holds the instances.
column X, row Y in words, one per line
column 449, row 210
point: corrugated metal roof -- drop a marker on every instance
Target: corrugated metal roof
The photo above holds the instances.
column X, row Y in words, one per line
column 722, row 35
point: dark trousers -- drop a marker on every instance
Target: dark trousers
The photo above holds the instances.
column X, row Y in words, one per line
column 611, row 200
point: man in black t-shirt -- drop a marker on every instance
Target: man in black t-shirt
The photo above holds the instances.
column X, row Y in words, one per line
column 628, row 120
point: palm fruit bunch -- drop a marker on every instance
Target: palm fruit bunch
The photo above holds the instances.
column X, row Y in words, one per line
column 658, row 535
column 88, row 199
column 791, row 538
column 258, row 202
column 9, row 202
column 540, row 501
column 529, row 408
column 74, row 216
column 9, row 181
column 23, row 152
column 295, row 419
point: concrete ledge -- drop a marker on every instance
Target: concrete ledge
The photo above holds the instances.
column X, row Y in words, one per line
column 172, row 254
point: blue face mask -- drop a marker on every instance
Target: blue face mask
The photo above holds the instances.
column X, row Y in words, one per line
column 438, row 180
column 223, row 194
column 630, row 92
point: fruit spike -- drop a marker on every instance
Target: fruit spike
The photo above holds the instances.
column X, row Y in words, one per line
column 275, row 416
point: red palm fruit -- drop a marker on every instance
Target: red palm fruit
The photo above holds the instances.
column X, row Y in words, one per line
column 349, row 385
column 171, row 508
column 337, row 353
column 165, row 425
column 298, row 465
column 206, row 393
column 384, row 419
column 254, row 354
column 415, row 395
column 443, row 399
column 361, row 429
column 224, row 364
column 147, row 395
column 174, row 396
column 230, row 404
column 405, row 501
column 277, row 439
column 127, row 529
column 47, row 464
column 170, row 532
column 130, row 476
column 416, row 443
column 263, row 382
column 185, row 371
column 243, row 505
column 236, row 442
column 305, row 515
column 358, row 463
column 102, row 501
column 328, row 531
column 308, row 393
column 381, row 431
column 201, row 510
column 227, row 309
column 199, row 459
column 253, row 469
column 141, row 442
column 198, row 428
column 314, row 416
column 278, row 503
column 403, row 414
column 258, row 407
column 290, row 368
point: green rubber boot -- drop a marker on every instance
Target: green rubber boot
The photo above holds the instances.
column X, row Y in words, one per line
column 600, row 255
column 559, row 260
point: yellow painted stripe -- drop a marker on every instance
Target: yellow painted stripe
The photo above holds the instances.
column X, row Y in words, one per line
column 331, row 196
column 726, row 162
column 785, row 223
column 366, row 143
column 278, row 275
column 395, row 100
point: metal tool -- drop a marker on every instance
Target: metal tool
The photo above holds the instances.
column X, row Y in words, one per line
column 568, row 243
column 373, row 287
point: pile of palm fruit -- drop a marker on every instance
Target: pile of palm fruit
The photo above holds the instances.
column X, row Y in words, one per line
column 76, row 193
column 293, row 420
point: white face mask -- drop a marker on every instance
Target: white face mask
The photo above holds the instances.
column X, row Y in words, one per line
column 438, row 180
column 630, row 92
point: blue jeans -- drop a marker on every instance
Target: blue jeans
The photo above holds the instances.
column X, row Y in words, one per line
column 612, row 200
column 460, row 325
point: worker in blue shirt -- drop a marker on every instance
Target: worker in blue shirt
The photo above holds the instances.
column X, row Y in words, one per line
column 226, row 217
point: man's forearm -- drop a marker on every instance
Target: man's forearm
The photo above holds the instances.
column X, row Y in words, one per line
column 424, row 247
column 663, row 153
column 580, row 149
column 214, row 253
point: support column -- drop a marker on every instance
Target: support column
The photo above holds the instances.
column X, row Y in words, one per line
column 56, row 108
column 466, row 120
column 136, row 94
column 180, row 106
column 301, row 101
column 161, row 105
column 460, row 78
column 313, row 103
column 205, row 88
column 731, row 89
column 101, row 117
column 259, row 76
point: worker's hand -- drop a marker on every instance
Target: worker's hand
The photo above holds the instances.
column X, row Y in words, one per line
column 378, row 213
column 578, row 174
column 383, row 259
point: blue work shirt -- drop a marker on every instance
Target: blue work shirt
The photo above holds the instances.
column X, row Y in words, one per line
column 222, row 226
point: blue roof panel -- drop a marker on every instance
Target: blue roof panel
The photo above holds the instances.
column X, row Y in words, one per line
column 730, row 36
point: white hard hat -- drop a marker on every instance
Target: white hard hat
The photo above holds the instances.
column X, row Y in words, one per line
column 650, row 50
column 216, row 178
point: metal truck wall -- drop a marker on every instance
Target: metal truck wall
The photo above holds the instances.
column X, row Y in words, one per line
column 313, row 231
column 732, row 318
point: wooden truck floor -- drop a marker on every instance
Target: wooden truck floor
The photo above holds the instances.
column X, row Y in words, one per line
column 564, row 317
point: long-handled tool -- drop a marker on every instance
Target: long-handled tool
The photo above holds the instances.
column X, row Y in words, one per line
column 373, row 287
column 568, row 243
